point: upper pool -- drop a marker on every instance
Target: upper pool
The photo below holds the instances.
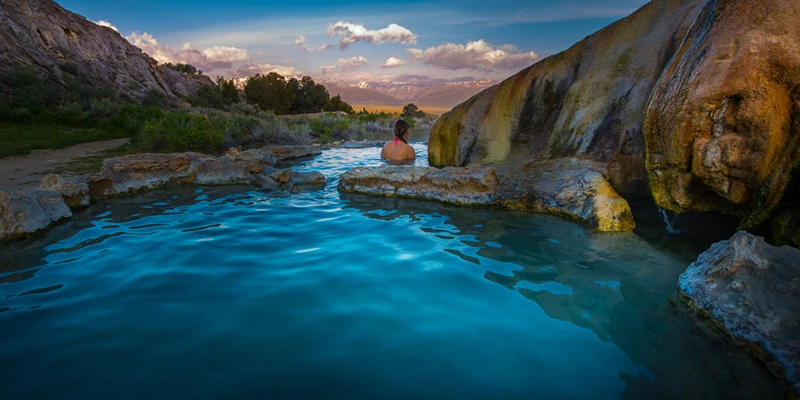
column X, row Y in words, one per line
column 231, row 292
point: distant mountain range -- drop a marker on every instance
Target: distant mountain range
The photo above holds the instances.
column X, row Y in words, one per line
column 431, row 92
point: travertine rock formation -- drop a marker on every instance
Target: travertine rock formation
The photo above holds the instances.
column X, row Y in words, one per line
column 697, row 100
column 723, row 125
column 587, row 102
column 569, row 189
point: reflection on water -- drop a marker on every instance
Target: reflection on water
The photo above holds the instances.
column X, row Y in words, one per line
column 225, row 292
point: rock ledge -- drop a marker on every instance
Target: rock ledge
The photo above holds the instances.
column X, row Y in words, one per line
column 750, row 291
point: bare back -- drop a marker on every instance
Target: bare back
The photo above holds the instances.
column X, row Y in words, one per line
column 397, row 150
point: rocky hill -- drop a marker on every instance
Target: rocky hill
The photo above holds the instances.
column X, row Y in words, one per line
column 43, row 36
column 697, row 101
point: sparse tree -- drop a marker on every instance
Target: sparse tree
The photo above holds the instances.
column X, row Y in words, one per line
column 269, row 92
column 185, row 68
column 229, row 91
column 337, row 104
column 412, row 111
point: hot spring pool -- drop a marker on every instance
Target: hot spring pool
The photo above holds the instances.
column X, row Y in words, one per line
column 228, row 292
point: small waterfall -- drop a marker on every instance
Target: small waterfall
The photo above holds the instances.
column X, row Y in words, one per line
column 671, row 229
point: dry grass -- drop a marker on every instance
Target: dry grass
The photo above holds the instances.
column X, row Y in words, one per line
column 398, row 109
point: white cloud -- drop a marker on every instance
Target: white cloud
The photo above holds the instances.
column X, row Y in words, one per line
column 477, row 55
column 217, row 57
column 106, row 24
column 251, row 69
column 393, row 62
column 345, row 64
column 353, row 33
column 326, row 47
column 302, row 43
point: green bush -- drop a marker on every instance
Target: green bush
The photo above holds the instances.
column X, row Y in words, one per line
column 244, row 109
column 157, row 98
column 69, row 113
column 102, row 108
column 20, row 115
column 185, row 68
column 179, row 132
column 208, row 97
column 129, row 119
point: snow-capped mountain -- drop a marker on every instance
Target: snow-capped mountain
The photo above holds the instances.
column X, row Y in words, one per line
column 430, row 92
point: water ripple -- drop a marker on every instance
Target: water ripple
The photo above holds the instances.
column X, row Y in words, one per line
column 230, row 292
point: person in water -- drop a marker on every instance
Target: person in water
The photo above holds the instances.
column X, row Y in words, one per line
column 398, row 150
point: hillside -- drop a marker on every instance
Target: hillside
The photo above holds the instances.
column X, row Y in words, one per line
column 42, row 36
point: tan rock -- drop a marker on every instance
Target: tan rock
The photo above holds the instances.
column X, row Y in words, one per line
column 290, row 152
column 569, row 190
column 722, row 128
column 74, row 190
column 466, row 186
column 146, row 171
column 26, row 212
column 296, row 179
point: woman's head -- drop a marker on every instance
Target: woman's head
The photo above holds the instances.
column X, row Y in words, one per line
column 401, row 128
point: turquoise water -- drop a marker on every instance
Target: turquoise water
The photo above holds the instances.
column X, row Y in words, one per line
column 229, row 292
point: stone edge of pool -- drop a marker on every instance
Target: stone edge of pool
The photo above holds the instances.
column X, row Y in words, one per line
column 27, row 212
column 568, row 189
column 745, row 288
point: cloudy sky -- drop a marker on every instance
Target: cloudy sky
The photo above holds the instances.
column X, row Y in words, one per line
column 358, row 40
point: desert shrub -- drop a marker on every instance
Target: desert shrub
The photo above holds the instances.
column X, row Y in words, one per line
column 102, row 108
column 333, row 127
column 157, row 98
column 178, row 132
column 243, row 108
column 238, row 130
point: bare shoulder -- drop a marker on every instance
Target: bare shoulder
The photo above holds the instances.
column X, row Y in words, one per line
column 411, row 152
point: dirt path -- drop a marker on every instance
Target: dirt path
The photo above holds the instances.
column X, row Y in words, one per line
column 25, row 172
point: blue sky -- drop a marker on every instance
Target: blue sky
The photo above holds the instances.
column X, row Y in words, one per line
column 373, row 40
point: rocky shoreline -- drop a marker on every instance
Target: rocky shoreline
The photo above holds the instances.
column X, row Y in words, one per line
column 566, row 188
column 26, row 212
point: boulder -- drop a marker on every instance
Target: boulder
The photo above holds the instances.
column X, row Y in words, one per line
column 288, row 152
column 145, row 171
column 260, row 157
column 722, row 127
column 225, row 171
column 74, row 190
column 296, row 179
column 568, row 188
column 465, row 186
column 26, row 212
column 750, row 290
